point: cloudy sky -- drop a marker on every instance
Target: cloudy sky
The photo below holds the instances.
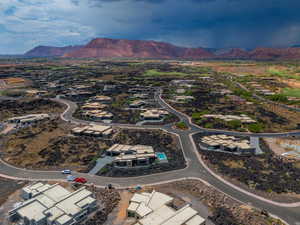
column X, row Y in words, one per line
column 208, row 23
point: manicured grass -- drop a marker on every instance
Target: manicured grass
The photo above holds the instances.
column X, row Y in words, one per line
column 282, row 74
column 291, row 92
column 153, row 73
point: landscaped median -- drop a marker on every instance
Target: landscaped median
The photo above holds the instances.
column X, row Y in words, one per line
column 181, row 125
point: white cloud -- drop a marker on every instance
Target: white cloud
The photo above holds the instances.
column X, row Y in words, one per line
column 36, row 22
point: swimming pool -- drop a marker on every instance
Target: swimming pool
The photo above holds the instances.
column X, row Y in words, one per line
column 161, row 156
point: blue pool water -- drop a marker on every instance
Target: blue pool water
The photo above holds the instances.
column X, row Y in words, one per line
column 161, row 156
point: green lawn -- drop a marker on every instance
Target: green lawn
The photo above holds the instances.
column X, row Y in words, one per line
column 283, row 74
column 291, row 92
column 153, row 73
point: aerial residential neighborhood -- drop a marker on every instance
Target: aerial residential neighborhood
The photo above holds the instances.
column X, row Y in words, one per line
column 146, row 146
column 143, row 112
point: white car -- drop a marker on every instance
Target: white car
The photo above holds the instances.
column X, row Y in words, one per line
column 66, row 172
column 71, row 178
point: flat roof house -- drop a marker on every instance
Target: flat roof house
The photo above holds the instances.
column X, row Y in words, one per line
column 183, row 98
column 141, row 96
column 28, row 119
column 131, row 155
column 243, row 118
column 155, row 209
column 137, row 104
column 98, row 114
column 182, row 82
column 46, row 204
column 153, row 114
column 109, row 88
column 102, row 98
column 227, row 143
column 93, row 106
column 93, row 130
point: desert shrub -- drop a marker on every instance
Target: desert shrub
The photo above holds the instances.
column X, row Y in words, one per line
column 181, row 125
column 279, row 98
column 234, row 124
column 255, row 127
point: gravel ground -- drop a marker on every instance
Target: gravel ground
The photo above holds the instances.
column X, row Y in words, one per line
column 9, row 195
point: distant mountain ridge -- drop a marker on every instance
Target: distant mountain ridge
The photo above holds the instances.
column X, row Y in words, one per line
column 50, row 51
column 105, row 47
column 121, row 48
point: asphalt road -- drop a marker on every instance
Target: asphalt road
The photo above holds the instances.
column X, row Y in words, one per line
column 195, row 169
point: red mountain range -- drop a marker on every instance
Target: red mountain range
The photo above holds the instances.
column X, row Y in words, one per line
column 120, row 48
column 49, row 51
column 104, row 47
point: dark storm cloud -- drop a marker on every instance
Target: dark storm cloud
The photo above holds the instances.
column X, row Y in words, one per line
column 207, row 23
column 225, row 23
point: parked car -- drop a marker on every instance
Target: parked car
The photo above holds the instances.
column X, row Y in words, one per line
column 81, row 180
column 66, row 172
column 71, row 178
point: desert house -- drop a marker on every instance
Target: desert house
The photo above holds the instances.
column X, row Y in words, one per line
column 46, row 204
column 155, row 208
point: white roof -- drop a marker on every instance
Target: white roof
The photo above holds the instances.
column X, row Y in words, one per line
column 153, row 200
column 64, row 219
column 55, row 213
column 56, row 192
column 99, row 128
column 181, row 216
column 196, row 220
column 133, row 206
column 158, row 199
column 153, row 209
column 69, row 204
column 45, row 200
column 33, row 211
column 138, row 198
column 55, row 200
column 36, row 188
column 143, row 210
column 86, row 201
column 158, row 216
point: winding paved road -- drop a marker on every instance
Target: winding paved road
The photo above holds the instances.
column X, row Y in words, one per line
column 196, row 169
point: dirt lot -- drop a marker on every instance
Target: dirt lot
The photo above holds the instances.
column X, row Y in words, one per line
column 22, row 107
column 7, row 189
column 109, row 199
column 49, row 145
column 13, row 82
column 221, row 209
column 275, row 145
